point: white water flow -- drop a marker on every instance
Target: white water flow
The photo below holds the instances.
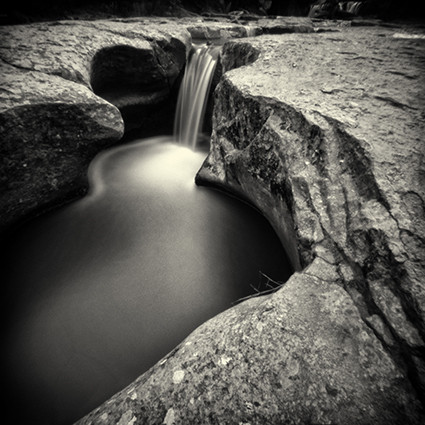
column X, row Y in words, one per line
column 193, row 95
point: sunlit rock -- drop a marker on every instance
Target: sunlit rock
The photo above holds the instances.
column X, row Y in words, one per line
column 301, row 355
column 333, row 139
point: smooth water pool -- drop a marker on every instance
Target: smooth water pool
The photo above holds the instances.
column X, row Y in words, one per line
column 98, row 291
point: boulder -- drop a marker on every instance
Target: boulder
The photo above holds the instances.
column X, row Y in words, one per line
column 300, row 356
column 323, row 133
column 50, row 130
column 62, row 85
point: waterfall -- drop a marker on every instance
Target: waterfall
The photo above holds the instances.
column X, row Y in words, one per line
column 193, row 95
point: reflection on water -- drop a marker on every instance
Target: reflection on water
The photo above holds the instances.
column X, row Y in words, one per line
column 100, row 290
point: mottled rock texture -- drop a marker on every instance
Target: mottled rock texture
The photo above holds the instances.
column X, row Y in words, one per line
column 323, row 132
column 300, row 356
column 51, row 121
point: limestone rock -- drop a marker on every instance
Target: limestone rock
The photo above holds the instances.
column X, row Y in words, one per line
column 302, row 355
column 50, row 130
column 51, row 122
column 286, row 25
column 218, row 31
column 332, row 153
column 322, row 132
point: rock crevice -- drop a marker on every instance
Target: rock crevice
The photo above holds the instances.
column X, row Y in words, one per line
column 299, row 132
column 51, row 122
column 333, row 188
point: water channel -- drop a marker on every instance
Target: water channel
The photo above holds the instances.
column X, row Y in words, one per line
column 99, row 290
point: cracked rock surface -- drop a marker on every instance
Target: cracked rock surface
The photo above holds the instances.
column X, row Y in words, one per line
column 302, row 355
column 323, row 132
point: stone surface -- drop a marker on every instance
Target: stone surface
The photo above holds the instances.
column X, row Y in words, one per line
column 323, row 132
column 302, row 355
column 336, row 149
column 51, row 122
column 50, row 131
column 286, row 25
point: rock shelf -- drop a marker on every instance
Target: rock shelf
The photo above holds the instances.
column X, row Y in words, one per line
column 322, row 129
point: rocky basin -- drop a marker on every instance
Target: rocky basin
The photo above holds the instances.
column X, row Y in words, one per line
column 71, row 89
column 62, row 85
column 323, row 131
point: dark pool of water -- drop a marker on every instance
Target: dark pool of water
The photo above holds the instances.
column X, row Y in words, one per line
column 100, row 290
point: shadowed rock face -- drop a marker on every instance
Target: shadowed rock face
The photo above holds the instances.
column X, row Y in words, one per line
column 324, row 134
column 51, row 122
column 49, row 134
column 119, row 72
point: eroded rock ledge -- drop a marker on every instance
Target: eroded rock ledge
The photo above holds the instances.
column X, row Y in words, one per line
column 324, row 134
column 69, row 88
column 54, row 117
column 337, row 148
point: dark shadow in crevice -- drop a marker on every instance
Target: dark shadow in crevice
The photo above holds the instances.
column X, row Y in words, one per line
column 133, row 80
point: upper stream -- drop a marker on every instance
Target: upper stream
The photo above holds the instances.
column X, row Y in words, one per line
column 99, row 290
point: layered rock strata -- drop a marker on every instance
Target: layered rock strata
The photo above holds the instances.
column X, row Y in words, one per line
column 324, row 134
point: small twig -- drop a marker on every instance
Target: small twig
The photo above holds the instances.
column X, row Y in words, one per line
column 271, row 285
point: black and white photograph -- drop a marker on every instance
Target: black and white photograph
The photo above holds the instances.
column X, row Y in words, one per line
column 212, row 212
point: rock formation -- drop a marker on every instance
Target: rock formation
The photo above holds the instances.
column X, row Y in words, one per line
column 52, row 123
column 324, row 134
column 321, row 131
column 56, row 78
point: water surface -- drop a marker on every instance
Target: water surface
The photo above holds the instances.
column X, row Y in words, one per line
column 100, row 290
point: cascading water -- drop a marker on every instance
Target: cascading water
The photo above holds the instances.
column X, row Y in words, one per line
column 193, row 95
column 101, row 289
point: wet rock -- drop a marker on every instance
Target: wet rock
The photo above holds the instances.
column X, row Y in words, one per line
column 52, row 123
